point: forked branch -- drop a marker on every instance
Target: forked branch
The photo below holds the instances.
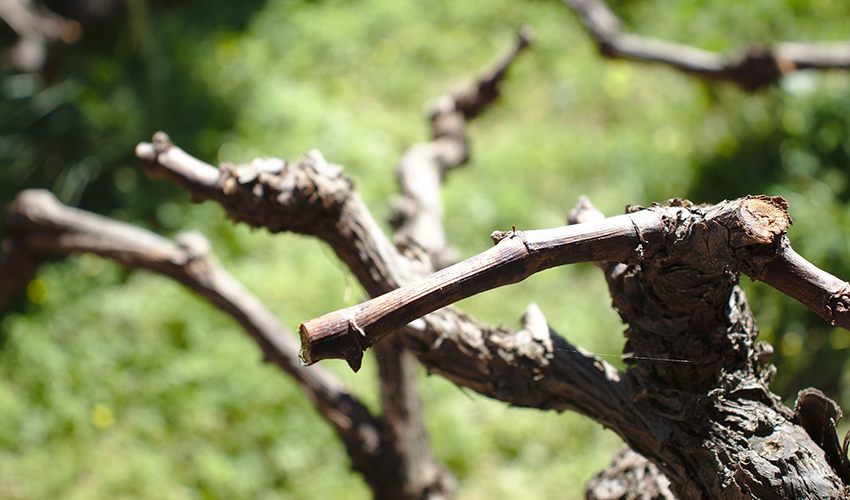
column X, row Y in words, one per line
column 313, row 197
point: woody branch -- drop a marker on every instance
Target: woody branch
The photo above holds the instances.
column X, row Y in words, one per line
column 757, row 233
column 752, row 69
column 40, row 226
column 312, row 197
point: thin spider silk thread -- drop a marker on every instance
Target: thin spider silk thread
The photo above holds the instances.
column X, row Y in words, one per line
column 585, row 353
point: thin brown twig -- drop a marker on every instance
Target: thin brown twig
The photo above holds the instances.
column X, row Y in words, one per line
column 517, row 255
column 751, row 70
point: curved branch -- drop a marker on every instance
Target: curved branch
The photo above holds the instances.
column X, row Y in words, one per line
column 517, row 255
column 815, row 288
column 753, row 223
column 751, row 70
column 757, row 230
column 40, row 225
column 418, row 217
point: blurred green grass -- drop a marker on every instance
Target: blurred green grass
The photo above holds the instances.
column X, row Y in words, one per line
column 122, row 384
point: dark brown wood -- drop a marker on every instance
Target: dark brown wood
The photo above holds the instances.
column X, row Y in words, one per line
column 751, row 69
column 682, row 283
column 695, row 400
column 630, row 476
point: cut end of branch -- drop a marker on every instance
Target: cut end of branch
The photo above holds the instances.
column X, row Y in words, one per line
column 146, row 152
column 328, row 338
column 305, row 355
column 764, row 218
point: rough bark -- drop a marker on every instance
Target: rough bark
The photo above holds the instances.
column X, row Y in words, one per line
column 696, row 396
column 496, row 362
column 711, row 426
column 629, row 477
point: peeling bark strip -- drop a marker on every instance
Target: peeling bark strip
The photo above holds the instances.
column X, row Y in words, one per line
column 756, row 67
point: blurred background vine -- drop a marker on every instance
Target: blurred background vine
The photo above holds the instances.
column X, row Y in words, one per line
column 118, row 384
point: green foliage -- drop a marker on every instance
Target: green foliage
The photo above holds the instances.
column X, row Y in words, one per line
column 793, row 143
column 122, row 384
